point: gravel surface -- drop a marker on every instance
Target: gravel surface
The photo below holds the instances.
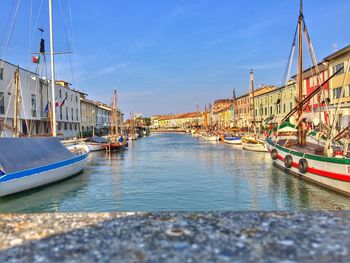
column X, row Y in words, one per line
column 176, row 237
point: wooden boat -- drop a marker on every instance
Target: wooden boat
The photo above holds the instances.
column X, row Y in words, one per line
column 27, row 163
column 324, row 164
column 115, row 141
column 97, row 144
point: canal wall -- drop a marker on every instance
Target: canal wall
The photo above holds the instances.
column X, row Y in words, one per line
column 176, row 237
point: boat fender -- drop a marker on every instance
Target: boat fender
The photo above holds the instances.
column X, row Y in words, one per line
column 288, row 161
column 274, row 154
column 303, row 165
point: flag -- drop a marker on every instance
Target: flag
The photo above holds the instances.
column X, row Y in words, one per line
column 46, row 108
column 36, row 60
column 63, row 101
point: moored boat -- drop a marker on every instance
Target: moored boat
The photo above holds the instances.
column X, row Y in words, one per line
column 236, row 140
column 324, row 163
column 27, row 163
column 97, row 144
column 256, row 146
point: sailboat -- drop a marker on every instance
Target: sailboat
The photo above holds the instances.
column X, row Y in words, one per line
column 253, row 143
column 324, row 164
column 116, row 141
column 27, row 163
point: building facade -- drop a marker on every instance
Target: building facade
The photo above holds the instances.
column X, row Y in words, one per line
column 339, row 61
column 88, row 116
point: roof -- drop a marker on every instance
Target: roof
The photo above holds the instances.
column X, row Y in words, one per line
column 322, row 66
column 338, row 53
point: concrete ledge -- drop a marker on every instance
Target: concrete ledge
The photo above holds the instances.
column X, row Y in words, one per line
column 176, row 237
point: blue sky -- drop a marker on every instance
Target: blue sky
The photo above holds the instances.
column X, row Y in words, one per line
column 165, row 56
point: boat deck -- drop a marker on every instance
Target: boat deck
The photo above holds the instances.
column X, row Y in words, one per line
column 309, row 148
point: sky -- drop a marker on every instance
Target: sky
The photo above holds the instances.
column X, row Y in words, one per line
column 167, row 56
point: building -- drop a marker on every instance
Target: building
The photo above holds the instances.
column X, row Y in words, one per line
column 181, row 121
column 273, row 105
column 31, row 106
column 339, row 61
column 35, row 94
column 103, row 115
column 88, row 109
column 68, row 116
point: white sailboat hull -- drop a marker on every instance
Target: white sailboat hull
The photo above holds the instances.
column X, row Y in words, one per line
column 256, row 147
column 331, row 172
column 39, row 176
column 94, row 147
column 234, row 142
column 212, row 138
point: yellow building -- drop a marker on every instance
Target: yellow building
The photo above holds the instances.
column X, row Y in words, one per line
column 274, row 105
column 88, row 116
column 337, row 61
column 259, row 92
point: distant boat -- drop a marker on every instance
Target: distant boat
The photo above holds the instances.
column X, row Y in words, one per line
column 212, row 138
column 97, row 144
column 236, row 140
column 116, row 142
column 254, row 145
column 28, row 163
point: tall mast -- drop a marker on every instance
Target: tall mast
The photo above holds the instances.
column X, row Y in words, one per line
column 301, row 132
column 53, row 99
column 16, row 105
column 252, row 96
column 115, row 109
column 234, row 106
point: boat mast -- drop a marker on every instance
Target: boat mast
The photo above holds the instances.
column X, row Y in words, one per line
column 16, row 104
column 53, row 99
column 233, row 106
column 301, row 130
column 252, row 97
column 115, row 112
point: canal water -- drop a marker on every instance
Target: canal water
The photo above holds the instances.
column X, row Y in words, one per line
column 177, row 172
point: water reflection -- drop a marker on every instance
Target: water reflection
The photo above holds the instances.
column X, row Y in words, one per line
column 177, row 172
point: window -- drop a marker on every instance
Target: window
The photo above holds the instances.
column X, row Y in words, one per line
column 65, row 126
column 336, row 93
column 77, row 114
column 278, row 106
column 1, row 73
column 61, row 113
column 290, row 106
column 60, row 93
column 256, row 112
column 265, row 110
column 76, row 99
column 2, row 103
column 33, row 100
column 338, row 67
column 70, row 126
column 270, row 110
column 72, row 114
column 284, row 108
column 67, row 113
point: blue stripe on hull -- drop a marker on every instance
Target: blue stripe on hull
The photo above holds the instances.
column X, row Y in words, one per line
column 41, row 169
